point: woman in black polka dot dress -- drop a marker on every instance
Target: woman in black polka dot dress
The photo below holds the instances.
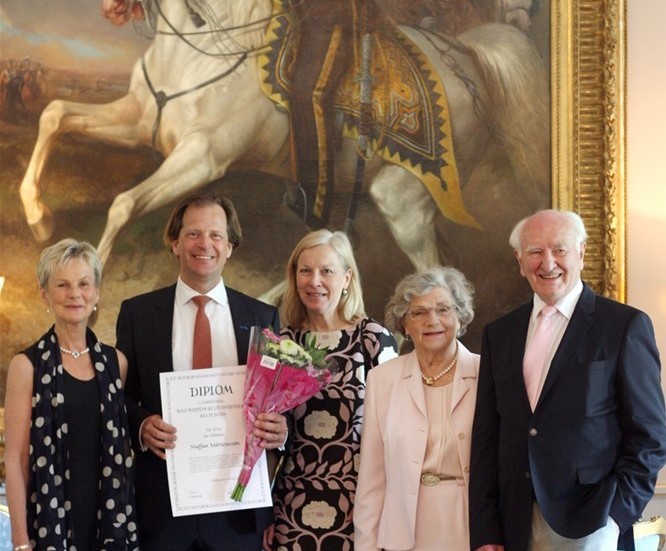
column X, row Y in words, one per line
column 67, row 451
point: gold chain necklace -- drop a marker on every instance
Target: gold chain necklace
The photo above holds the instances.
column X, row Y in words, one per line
column 75, row 353
column 431, row 380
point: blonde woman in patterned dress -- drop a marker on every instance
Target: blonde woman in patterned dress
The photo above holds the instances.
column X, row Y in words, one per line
column 314, row 492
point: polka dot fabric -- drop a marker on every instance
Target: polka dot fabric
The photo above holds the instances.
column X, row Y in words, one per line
column 47, row 517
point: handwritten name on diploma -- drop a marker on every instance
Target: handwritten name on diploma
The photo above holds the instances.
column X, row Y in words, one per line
column 205, row 406
column 213, row 445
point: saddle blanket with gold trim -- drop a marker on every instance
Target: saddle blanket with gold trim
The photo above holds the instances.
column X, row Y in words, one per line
column 411, row 124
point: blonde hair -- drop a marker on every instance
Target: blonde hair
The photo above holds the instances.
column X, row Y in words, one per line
column 351, row 307
column 63, row 251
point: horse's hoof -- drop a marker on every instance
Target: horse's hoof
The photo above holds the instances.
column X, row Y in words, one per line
column 43, row 229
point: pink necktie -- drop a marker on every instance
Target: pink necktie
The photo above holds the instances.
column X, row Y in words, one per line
column 202, row 349
column 536, row 352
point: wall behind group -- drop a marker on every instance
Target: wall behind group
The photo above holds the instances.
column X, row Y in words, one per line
column 646, row 178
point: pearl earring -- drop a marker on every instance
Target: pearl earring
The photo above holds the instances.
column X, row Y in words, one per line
column 344, row 291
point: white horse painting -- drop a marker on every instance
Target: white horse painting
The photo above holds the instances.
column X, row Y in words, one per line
column 216, row 117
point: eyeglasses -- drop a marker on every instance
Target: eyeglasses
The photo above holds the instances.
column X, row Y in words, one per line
column 421, row 314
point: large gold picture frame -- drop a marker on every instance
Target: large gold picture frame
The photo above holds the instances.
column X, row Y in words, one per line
column 588, row 71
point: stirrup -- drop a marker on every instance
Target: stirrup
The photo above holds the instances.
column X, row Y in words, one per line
column 296, row 199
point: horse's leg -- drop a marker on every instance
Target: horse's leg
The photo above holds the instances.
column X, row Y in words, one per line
column 187, row 168
column 207, row 140
column 410, row 212
column 115, row 123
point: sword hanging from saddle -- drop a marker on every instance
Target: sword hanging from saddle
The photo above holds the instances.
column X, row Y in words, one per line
column 365, row 83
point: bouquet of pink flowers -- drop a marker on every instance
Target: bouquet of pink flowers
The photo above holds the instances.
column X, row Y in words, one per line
column 281, row 375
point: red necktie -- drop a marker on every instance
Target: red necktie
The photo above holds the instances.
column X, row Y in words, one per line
column 536, row 352
column 202, row 350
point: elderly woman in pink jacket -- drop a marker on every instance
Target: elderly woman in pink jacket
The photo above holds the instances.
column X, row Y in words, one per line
column 419, row 407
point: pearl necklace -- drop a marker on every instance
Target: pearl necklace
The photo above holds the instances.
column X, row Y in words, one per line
column 431, row 380
column 75, row 353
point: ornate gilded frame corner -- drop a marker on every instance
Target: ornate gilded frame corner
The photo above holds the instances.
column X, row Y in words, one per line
column 588, row 91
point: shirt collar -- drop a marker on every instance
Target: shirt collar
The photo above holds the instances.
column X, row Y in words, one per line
column 184, row 293
column 565, row 305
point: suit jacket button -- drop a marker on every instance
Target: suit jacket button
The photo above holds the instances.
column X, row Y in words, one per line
column 527, row 475
column 533, row 432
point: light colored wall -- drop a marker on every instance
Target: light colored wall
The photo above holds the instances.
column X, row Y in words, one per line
column 646, row 178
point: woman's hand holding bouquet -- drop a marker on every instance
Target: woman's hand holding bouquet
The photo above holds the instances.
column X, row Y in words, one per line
column 280, row 375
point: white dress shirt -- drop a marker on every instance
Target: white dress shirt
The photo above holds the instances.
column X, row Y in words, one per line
column 222, row 333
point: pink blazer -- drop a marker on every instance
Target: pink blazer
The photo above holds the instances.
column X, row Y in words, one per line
column 392, row 459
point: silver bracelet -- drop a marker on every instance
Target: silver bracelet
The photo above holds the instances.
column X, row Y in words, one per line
column 22, row 547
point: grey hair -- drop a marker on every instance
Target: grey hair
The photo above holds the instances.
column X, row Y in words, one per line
column 421, row 283
column 573, row 219
column 61, row 253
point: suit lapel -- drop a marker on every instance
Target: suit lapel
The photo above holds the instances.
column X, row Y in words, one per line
column 579, row 325
column 461, row 380
column 462, row 405
column 411, row 374
column 518, row 338
column 163, row 323
column 243, row 321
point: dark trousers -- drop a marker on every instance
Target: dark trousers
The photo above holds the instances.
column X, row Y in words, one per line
column 325, row 48
column 212, row 532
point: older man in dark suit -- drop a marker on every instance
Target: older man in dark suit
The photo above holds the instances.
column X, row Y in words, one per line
column 155, row 332
column 564, row 456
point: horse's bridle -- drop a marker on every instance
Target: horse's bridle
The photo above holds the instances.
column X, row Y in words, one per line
column 199, row 22
column 161, row 98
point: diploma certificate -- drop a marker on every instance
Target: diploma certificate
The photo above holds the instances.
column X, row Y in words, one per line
column 205, row 406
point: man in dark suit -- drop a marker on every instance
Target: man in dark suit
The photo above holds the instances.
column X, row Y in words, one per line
column 578, row 467
column 155, row 331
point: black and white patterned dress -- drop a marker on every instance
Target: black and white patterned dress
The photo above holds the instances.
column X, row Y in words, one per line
column 80, row 495
column 314, row 493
